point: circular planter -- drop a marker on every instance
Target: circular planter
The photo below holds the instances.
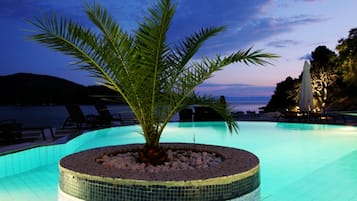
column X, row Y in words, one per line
column 82, row 178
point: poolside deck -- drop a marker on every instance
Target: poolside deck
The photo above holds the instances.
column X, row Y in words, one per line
column 34, row 138
column 337, row 119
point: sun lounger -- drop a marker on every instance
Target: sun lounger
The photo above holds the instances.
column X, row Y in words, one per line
column 38, row 130
column 185, row 115
column 292, row 116
column 76, row 117
column 206, row 114
column 237, row 114
column 10, row 131
column 105, row 116
column 128, row 118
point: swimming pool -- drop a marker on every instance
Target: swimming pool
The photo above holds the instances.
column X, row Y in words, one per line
column 298, row 161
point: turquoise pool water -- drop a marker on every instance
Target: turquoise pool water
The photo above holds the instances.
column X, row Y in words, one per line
column 298, row 161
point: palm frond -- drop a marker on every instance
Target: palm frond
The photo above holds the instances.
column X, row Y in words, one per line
column 183, row 82
column 215, row 104
column 72, row 39
column 152, row 49
column 90, row 49
column 123, row 50
column 119, row 41
column 257, row 57
column 181, row 54
column 189, row 47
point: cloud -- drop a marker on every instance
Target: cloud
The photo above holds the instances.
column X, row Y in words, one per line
column 308, row 0
column 244, row 21
column 282, row 43
column 191, row 16
column 270, row 26
column 255, row 30
column 235, row 90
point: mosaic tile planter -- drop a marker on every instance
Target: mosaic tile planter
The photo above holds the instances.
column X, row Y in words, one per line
column 236, row 178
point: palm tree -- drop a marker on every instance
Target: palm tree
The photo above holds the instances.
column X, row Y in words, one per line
column 155, row 79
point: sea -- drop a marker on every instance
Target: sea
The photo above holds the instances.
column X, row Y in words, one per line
column 55, row 115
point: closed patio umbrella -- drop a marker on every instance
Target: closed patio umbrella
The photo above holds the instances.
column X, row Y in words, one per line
column 306, row 97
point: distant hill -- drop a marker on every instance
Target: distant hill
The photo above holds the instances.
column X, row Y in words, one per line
column 33, row 89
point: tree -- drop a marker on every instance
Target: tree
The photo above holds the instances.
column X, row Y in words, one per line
column 323, row 58
column 324, row 74
column 347, row 50
column 155, row 79
column 285, row 96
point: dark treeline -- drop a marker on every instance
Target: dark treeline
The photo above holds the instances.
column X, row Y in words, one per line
column 32, row 89
column 334, row 79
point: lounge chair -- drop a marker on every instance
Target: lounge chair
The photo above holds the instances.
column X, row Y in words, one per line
column 128, row 118
column 292, row 115
column 77, row 118
column 206, row 114
column 10, row 131
column 251, row 113
column 105, row 117
column 237, row 114
column 185, row 115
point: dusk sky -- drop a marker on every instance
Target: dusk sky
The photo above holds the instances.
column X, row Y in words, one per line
column 290, row 28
